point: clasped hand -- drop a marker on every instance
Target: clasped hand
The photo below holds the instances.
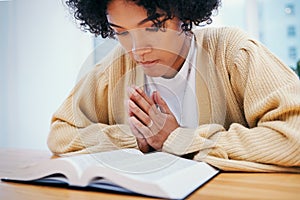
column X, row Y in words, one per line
column 150, row 119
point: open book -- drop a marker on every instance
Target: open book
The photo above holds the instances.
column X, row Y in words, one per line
column 155, row 174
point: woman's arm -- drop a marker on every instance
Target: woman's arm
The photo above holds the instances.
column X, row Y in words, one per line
column 81, row 124
column 270, row 93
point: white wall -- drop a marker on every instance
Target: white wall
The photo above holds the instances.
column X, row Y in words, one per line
column 231, row 13
column 41, row 53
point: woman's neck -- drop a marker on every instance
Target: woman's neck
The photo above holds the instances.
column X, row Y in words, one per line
column 182, row 55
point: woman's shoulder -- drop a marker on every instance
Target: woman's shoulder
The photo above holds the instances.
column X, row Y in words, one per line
column 219, row 31
column 225, row 40
column 223, row 34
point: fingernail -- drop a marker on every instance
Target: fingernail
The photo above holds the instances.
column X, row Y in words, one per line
column 138, row 89
column 131, row 91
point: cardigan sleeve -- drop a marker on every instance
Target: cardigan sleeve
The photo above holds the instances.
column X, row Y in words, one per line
column 270, row 94
column 81, row 123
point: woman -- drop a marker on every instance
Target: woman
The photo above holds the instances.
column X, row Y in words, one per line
column 212, row 94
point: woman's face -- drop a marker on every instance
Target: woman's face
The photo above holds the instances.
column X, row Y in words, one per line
column 159, row 53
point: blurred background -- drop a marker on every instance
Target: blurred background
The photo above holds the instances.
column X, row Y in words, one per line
column 43, row 53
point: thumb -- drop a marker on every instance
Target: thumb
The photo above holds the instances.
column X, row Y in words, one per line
column 163, row 106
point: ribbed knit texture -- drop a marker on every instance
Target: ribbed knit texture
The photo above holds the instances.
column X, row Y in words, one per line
column 248, row 105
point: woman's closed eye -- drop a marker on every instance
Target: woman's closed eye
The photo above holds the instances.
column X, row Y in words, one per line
column 153, row 28
column 121, row 33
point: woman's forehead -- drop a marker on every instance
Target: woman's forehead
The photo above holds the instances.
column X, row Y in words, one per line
column 126, row 14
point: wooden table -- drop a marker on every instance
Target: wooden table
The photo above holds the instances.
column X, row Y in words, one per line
column 223, row 186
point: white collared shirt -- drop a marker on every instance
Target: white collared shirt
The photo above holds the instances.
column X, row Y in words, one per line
column 179, row 91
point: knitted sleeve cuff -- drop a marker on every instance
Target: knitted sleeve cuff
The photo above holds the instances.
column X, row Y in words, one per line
column 205, row 139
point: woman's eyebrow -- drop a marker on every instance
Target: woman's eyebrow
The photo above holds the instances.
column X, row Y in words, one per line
column 114, row 25
column 140, row 23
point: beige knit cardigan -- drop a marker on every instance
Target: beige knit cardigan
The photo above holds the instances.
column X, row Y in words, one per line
column 248, row 105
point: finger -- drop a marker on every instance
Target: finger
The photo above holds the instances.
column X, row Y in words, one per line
column 140, row 98
column 134, row 110
column 126, row 103
column 141, row 141
column 163, row 106
column 153, row 121
column 134, row 130
column 144, row 95
column 142, row 129
column 143, row 145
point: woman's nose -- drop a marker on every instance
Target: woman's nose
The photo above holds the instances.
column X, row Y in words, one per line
column 140, row 45
column 139, row 54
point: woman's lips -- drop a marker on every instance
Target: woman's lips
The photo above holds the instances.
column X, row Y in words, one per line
column 148, row 63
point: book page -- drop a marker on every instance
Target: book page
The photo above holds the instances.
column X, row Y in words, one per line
column 81, row 162
column 39, row 170
column 154, row 174
column 71, row 167
column 147, row 163
column 152, row 166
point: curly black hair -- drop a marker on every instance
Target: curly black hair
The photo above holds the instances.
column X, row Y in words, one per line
column 91, row 14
